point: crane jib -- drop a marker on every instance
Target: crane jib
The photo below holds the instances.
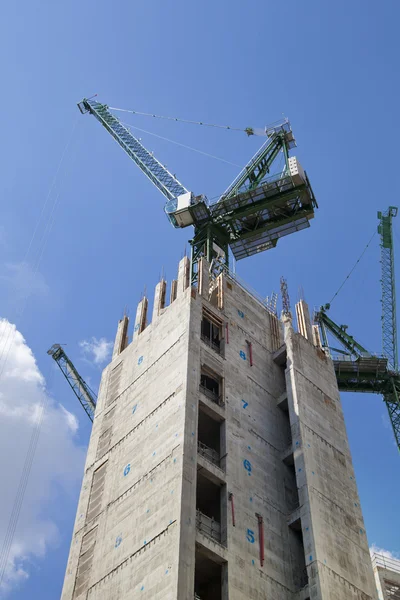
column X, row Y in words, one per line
column 153, row 169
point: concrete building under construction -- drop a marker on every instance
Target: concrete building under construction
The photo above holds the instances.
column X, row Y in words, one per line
column 218, row 466
column 387, row 576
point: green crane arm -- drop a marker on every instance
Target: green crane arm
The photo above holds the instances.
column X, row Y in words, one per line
column 362, row 371
column 392, row 400
column 155, row 171
column 280, row 137
column 340, row 333
column 80, row 388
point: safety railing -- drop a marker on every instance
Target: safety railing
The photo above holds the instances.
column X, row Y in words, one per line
column 208, row 526
column 391, row 564
column 247, row 288
column 209, row 453
column 215, row 346
column 211, row 395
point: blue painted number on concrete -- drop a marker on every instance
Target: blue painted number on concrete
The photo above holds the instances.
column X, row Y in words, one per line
column 140, row 360
column 247, row 465
column 127, row 469
column 136, row 327
column 245, row 404
column 242, row 354
column 118, row 541
column 134, row 409
column 250, row 536
column 241, row 314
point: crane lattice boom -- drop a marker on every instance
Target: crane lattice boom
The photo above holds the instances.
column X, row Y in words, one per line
column 80, row 388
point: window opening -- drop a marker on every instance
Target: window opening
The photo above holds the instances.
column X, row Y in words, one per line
column 300, row 575
column 209, row 438
column 211, row 384
column 209, row 578
column 209, row 510
column 211, row 330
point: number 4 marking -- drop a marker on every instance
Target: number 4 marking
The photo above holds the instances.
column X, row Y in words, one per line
column 245, row 404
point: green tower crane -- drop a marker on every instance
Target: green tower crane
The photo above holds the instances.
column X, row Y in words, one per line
column 253, row 213
column 82, row 391
column 357, row 370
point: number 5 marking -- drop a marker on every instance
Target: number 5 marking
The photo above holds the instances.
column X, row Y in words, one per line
column 250, row 536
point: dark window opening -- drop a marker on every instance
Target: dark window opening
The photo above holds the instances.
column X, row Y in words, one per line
column 208, row 578
column 300, row 576
column 210, row 384
column 211, row 332
column 209, row 438
column 209, row 509
column 291, row 490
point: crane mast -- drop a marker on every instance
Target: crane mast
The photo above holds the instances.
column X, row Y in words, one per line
column 85, row 395
column 389, row 321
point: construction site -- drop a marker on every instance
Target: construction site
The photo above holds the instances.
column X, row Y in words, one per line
column 219, row 465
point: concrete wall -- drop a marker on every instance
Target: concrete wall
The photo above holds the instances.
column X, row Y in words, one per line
column 141, row 410
column 336, row 546
column 284, row 460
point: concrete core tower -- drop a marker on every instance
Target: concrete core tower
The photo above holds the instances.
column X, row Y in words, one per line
column 218, row 466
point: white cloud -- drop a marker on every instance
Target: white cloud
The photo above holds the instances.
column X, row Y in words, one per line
column 57, row 466
column 71, row 419
column 96, row 350
column 374, row 549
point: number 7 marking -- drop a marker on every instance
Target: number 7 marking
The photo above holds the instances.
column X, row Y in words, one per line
column 245, row 404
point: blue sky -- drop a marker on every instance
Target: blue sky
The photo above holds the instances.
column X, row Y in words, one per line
column 102, row 235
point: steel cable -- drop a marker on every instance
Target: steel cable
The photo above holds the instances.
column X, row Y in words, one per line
column 182, row 145
column 5, row 350
column 355, row 265
column 23, row 482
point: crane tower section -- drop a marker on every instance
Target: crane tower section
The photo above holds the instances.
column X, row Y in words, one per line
column 389, row 321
